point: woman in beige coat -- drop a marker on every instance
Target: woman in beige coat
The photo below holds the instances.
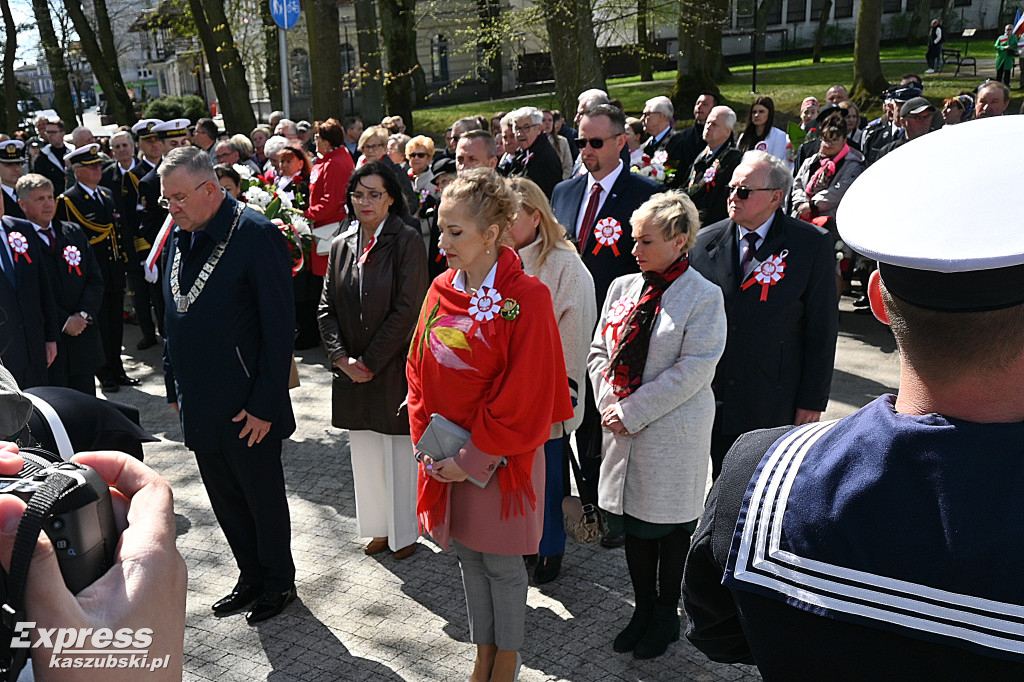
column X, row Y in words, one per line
column 653, row 356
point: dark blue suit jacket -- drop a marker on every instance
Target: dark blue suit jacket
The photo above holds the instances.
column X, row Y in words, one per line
column 28, row 316
column 779, row 352
column 628, row 193
column 232, row 350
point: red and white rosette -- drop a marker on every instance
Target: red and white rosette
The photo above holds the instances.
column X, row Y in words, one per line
column 660, row 157
column 768, row 273
column 709, row 175
column 607, row 232
column 761, row 146
column 618, row 312
column 485, row 304
column 73, row 257
column 19, row 245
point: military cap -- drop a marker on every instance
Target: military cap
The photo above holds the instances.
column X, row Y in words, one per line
column 176, row 128
column 144, row 128
column 86, row 155
column 12, row 151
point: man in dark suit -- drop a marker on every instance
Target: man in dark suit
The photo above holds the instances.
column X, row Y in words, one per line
column 50, row 162
column 28, row 316
column 76, row 281
column 657, row 119
column 12, row 167
column 708, row 181
column 692, row 138
column 92, row 207
column 778, row 278
column 536, row 159
column 227, row 356
column 596, row 209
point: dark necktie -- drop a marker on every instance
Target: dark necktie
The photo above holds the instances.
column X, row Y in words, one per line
column 749, row 247
column 588, row 216
column 51, row 237
column 8, row 265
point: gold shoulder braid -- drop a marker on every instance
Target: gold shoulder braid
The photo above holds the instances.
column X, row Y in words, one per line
column 102, row 230
column 182, row 302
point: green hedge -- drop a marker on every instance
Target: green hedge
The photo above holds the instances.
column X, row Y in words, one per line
column 191, row 107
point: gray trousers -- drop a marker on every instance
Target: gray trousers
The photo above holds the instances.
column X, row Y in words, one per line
column 496, row 586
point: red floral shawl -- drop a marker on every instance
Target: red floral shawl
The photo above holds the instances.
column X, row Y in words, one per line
column 504, row 381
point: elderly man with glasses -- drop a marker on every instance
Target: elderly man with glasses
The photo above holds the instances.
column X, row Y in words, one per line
column 778, row 278
column 658, row 119
column 230, row 321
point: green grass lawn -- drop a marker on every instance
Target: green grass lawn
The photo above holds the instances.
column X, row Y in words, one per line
column 786, row 80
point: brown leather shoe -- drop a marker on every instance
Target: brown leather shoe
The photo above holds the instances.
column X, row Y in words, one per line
column 376, row 546
column 405, row 552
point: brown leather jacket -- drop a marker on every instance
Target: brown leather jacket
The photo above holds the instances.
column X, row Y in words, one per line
column 394, row 284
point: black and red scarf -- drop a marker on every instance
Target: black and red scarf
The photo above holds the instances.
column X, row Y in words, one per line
column 629, row 357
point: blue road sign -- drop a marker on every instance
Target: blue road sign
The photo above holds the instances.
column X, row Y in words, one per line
column 285, row 12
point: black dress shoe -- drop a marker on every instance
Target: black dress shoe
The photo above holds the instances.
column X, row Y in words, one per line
column 613, row 540
column 240, row 597
column 109, row 386
column 146, row 342
column 269, row 605
column 547, row 569
column 125, row 380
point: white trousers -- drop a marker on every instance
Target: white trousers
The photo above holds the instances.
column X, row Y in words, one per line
column 384, row 472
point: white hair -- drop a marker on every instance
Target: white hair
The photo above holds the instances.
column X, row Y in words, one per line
column 274, row 146
column 730, row 116
column 593, row 96
column 661, row 105
column 532, row 113
column 779, row 175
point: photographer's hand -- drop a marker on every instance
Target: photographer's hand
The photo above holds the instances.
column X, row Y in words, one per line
column 145, row 588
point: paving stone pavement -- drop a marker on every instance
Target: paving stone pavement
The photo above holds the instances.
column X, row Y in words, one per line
column 370, row 618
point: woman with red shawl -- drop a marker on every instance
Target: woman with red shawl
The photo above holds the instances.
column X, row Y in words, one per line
column 486, row 355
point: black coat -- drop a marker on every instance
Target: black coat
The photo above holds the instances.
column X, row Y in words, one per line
column 692, row 144
column 28, row 316
column 779, row 352
column 711, row 198
column 75, row 290
column 53, row 169
column 124, row 188
column 110, row 249
column 673, row 144
column 232, row 350
column 628, row 193
column 11, row 207
column 376, row 325
column 539, row 163
column 151, row 214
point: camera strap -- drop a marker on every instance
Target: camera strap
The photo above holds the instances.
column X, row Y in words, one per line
column 12, row 590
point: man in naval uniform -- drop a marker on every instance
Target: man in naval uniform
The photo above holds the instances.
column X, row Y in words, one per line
column 12, row 167
column 92, row 207
column 227, row 356
column 886, row 545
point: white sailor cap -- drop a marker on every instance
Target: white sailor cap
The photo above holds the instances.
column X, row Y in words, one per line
column 176, row 128
column 959, row 250
column 86, row 155
column 12, row 151
column 145, row 128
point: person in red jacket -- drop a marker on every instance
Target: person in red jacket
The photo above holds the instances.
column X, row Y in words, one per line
column 328, row 184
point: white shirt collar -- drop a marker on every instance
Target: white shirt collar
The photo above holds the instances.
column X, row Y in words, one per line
column 89, row 192
column 9, row 190
column 607, row 182
column 762, row 231
column 459, row 280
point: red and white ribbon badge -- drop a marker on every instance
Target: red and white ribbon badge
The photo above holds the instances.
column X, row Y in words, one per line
column 769, row 273
column 607, row 233
column 485, row 304
column 441, row 253
column 366, row 249
column 618, row 312
column 709, row 175
column 19, row 245
column 73, row 257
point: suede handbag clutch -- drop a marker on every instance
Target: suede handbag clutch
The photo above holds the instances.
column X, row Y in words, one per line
column 442, row 439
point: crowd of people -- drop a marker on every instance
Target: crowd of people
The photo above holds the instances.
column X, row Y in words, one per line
column 638, row 286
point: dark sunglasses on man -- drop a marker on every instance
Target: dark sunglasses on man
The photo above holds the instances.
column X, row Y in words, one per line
column 594, row 142
column 742, row 192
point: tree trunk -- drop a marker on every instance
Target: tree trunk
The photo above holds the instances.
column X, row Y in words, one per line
column 819, row 34
column 371, row 75
column 764, row 11
column 917, row 30
column 699, row 65
column 642, row 43
column 868, row 80
column 272, row 79
column 62, row 102
column 324, row 57
column 104, row 64
column 398, row 28
column 11, row 116
column 491, row 43
column 234, row 99
column 209, row 45
column 575, row 59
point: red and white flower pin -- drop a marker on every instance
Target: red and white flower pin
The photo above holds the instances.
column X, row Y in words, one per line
column 618, row 312
column 607, row 232
column 660, row 156
column 769, row 273
column 73, row 257
column 709, row 174
column 485, row 304
column 19, row 245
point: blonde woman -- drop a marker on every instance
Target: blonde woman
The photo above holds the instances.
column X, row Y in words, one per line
column 548, row 256
column 420, row 153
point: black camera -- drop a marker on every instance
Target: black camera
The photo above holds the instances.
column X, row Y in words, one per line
column 78, row 517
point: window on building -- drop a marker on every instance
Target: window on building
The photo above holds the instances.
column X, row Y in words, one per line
column 298, row 73
column 816, row 7
column 796, row 12
column 745, row 13
column 844, row 9
column 439, row 59
column 775, row 16
column 892, row 6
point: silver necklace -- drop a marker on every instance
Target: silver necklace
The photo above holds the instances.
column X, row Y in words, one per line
column 182, row 302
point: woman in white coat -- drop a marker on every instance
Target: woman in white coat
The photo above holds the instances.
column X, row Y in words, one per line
column 761, row 134
column 654, row 354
